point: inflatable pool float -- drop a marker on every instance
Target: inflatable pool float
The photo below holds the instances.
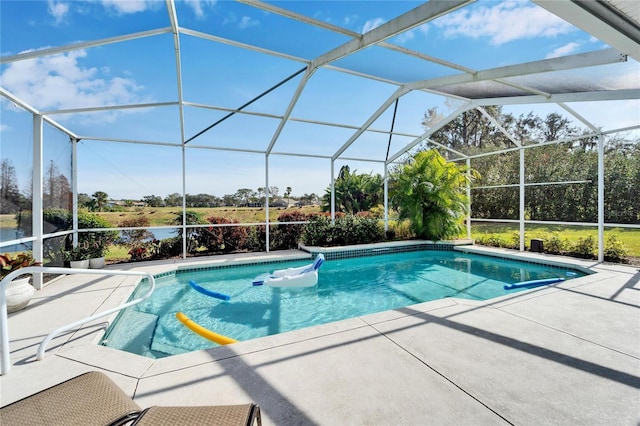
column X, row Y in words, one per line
column 533, row 283
column 211, row 293
column 303, row 276
column 206, row 333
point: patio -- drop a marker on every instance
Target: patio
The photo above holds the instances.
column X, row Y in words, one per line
column 564, row 354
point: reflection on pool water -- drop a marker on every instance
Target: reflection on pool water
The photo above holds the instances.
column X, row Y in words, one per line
column 346, row 288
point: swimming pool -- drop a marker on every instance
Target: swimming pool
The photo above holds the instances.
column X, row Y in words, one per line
column 346, row 288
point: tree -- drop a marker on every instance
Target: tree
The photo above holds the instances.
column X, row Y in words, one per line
column 173, row 200
column 469, row 131
column 153, row 200
column 56, row 189
column 431, row 193
column 354, row 192
column 101, row 198
column 9, row 192
column 245, row 195
column 85, row 201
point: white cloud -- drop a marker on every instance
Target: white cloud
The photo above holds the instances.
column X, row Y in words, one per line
column 128, row 6
column 197, row 6
column 4, row 127
column 61, row 82
column 371, row 24
column 242, row 23
column 247, row 22
column 58, row 10
column 503, row 22
column 563, row 50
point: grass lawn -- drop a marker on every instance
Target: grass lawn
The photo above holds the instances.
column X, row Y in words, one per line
column 163, row 216
column 629, row 237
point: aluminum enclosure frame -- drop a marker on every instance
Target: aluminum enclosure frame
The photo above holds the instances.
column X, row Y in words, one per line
column 601, row 19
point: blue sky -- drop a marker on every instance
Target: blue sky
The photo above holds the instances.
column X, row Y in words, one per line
column 485, row 35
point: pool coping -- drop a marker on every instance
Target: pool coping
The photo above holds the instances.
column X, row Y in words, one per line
column 87, row 350
column 174, row 363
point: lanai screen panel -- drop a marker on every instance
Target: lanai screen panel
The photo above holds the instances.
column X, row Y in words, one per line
column 136, row 72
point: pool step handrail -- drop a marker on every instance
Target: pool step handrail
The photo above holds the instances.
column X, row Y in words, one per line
column 5, row 366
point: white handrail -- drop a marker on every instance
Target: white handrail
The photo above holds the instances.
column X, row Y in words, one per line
column 4, row 321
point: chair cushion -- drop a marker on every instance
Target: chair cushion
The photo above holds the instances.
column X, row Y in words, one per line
column 89, row 399
column 221, row 415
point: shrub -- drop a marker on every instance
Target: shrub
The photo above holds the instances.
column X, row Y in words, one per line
column 401, row 230
column 318, row 231
column 585, row 247
column 256, row 238
column 193, row 234
column 56, row 220
column 284, row 237
column 224, row 239
column 135, row 236
column 615, row 250
column 553, row 244
column 138, row 253
column 490, row 240
column 347, row 230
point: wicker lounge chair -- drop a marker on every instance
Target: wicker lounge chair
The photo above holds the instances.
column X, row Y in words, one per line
column 93, row 399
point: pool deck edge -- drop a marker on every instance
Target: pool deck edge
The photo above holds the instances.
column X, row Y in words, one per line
column 450, row 348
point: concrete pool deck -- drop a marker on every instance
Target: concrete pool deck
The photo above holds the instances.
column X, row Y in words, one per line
column 563, row 354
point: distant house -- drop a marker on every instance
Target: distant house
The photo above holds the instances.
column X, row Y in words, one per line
column 278, row 202
column 125, row 203
column 257, row 204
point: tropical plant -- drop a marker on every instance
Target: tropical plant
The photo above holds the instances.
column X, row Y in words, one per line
column 82, row 251
column 354, row 192
column 10, row 263
column 431, row 192
column 101, row 199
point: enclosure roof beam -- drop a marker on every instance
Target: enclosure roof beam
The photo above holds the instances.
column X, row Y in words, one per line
column 175, row 29
column 602, row 95
column 437, row 126
column 418, row 16
column 82, row 45
column 344, row 31
column 579, row 117
column 107, row 108
column 22, row 104
column 580, row 60
column 498, row 125
column 381, row 109
column 446, row 148
column 601, row 20
column 292, row 103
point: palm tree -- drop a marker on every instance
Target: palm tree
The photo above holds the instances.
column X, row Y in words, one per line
column 287, row 193
column 431, row 192
column 101, row 199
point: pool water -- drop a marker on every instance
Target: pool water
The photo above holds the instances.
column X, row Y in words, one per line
column 346, row 288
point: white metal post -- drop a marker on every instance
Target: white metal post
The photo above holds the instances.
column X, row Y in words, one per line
column 386, row 197
column 600, row 198
column 522, row 200
column 74, row 188
column 333, row 193
column 184, row 202
column 469, row 199
column 36, row 197
column 266, row 199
